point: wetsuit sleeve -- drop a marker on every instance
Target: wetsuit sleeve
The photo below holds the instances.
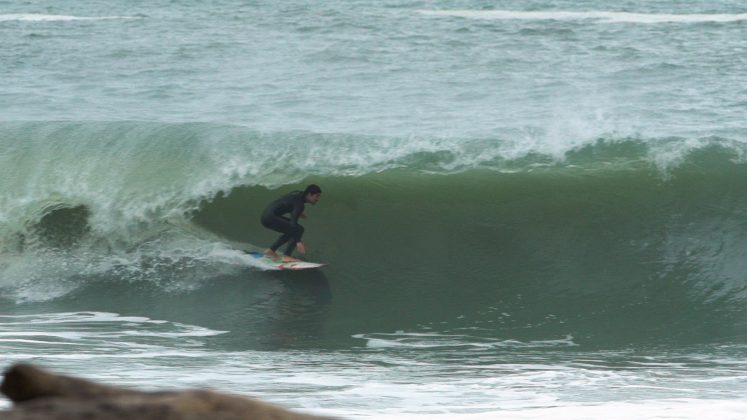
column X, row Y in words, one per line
column 297, row 210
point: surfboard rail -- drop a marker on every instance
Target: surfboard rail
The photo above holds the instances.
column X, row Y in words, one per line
column 267, row 263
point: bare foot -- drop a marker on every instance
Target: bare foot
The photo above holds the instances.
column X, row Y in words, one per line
column 290, row 259
column 271, row 254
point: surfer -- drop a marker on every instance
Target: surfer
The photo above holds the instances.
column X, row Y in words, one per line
column 274, row 218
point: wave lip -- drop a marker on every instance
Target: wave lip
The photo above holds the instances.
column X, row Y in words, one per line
column 603, row 16
column 37, row 17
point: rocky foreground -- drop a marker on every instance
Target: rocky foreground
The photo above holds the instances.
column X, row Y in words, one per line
column 41, row 395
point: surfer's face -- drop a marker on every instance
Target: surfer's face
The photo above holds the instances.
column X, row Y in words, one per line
column 313, row 198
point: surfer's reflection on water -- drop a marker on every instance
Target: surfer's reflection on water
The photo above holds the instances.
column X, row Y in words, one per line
column 284, row 309
column 300, row 311
column 312, row 284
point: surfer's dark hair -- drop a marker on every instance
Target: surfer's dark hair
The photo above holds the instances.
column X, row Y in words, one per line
column 312, row 189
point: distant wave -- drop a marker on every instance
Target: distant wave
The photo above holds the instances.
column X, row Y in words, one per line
column 33, row 17
column 613, row 17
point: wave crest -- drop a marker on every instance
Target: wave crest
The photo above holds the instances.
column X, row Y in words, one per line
column 601, row 16
column 36, row 17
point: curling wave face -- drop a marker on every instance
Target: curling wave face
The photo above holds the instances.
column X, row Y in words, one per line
column 530, row 241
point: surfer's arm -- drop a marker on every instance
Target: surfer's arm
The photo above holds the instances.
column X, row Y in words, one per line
column 296, row 213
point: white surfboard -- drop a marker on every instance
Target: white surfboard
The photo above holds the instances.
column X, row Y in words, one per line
column 267, row 263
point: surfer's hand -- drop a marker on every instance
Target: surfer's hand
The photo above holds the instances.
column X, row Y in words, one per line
column 301, row 247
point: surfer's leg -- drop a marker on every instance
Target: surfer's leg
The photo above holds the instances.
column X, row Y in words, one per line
column 295, row 237
column 282, row 225
column 271, row 254
column 280, row 241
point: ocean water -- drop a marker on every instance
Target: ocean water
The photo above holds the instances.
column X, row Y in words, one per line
column 531, row 209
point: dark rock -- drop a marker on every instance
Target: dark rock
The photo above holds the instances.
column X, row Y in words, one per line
column 38, row 395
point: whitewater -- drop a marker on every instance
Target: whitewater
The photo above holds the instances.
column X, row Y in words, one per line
column 529, row 211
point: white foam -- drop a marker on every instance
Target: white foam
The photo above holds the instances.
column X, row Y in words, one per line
column 611, row 17
column 34, row 17
column 664, row 409
column 86, row 336
column 404, row 385
column 429, row 341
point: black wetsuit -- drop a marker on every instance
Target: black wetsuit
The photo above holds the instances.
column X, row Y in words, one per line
column 273, row 218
